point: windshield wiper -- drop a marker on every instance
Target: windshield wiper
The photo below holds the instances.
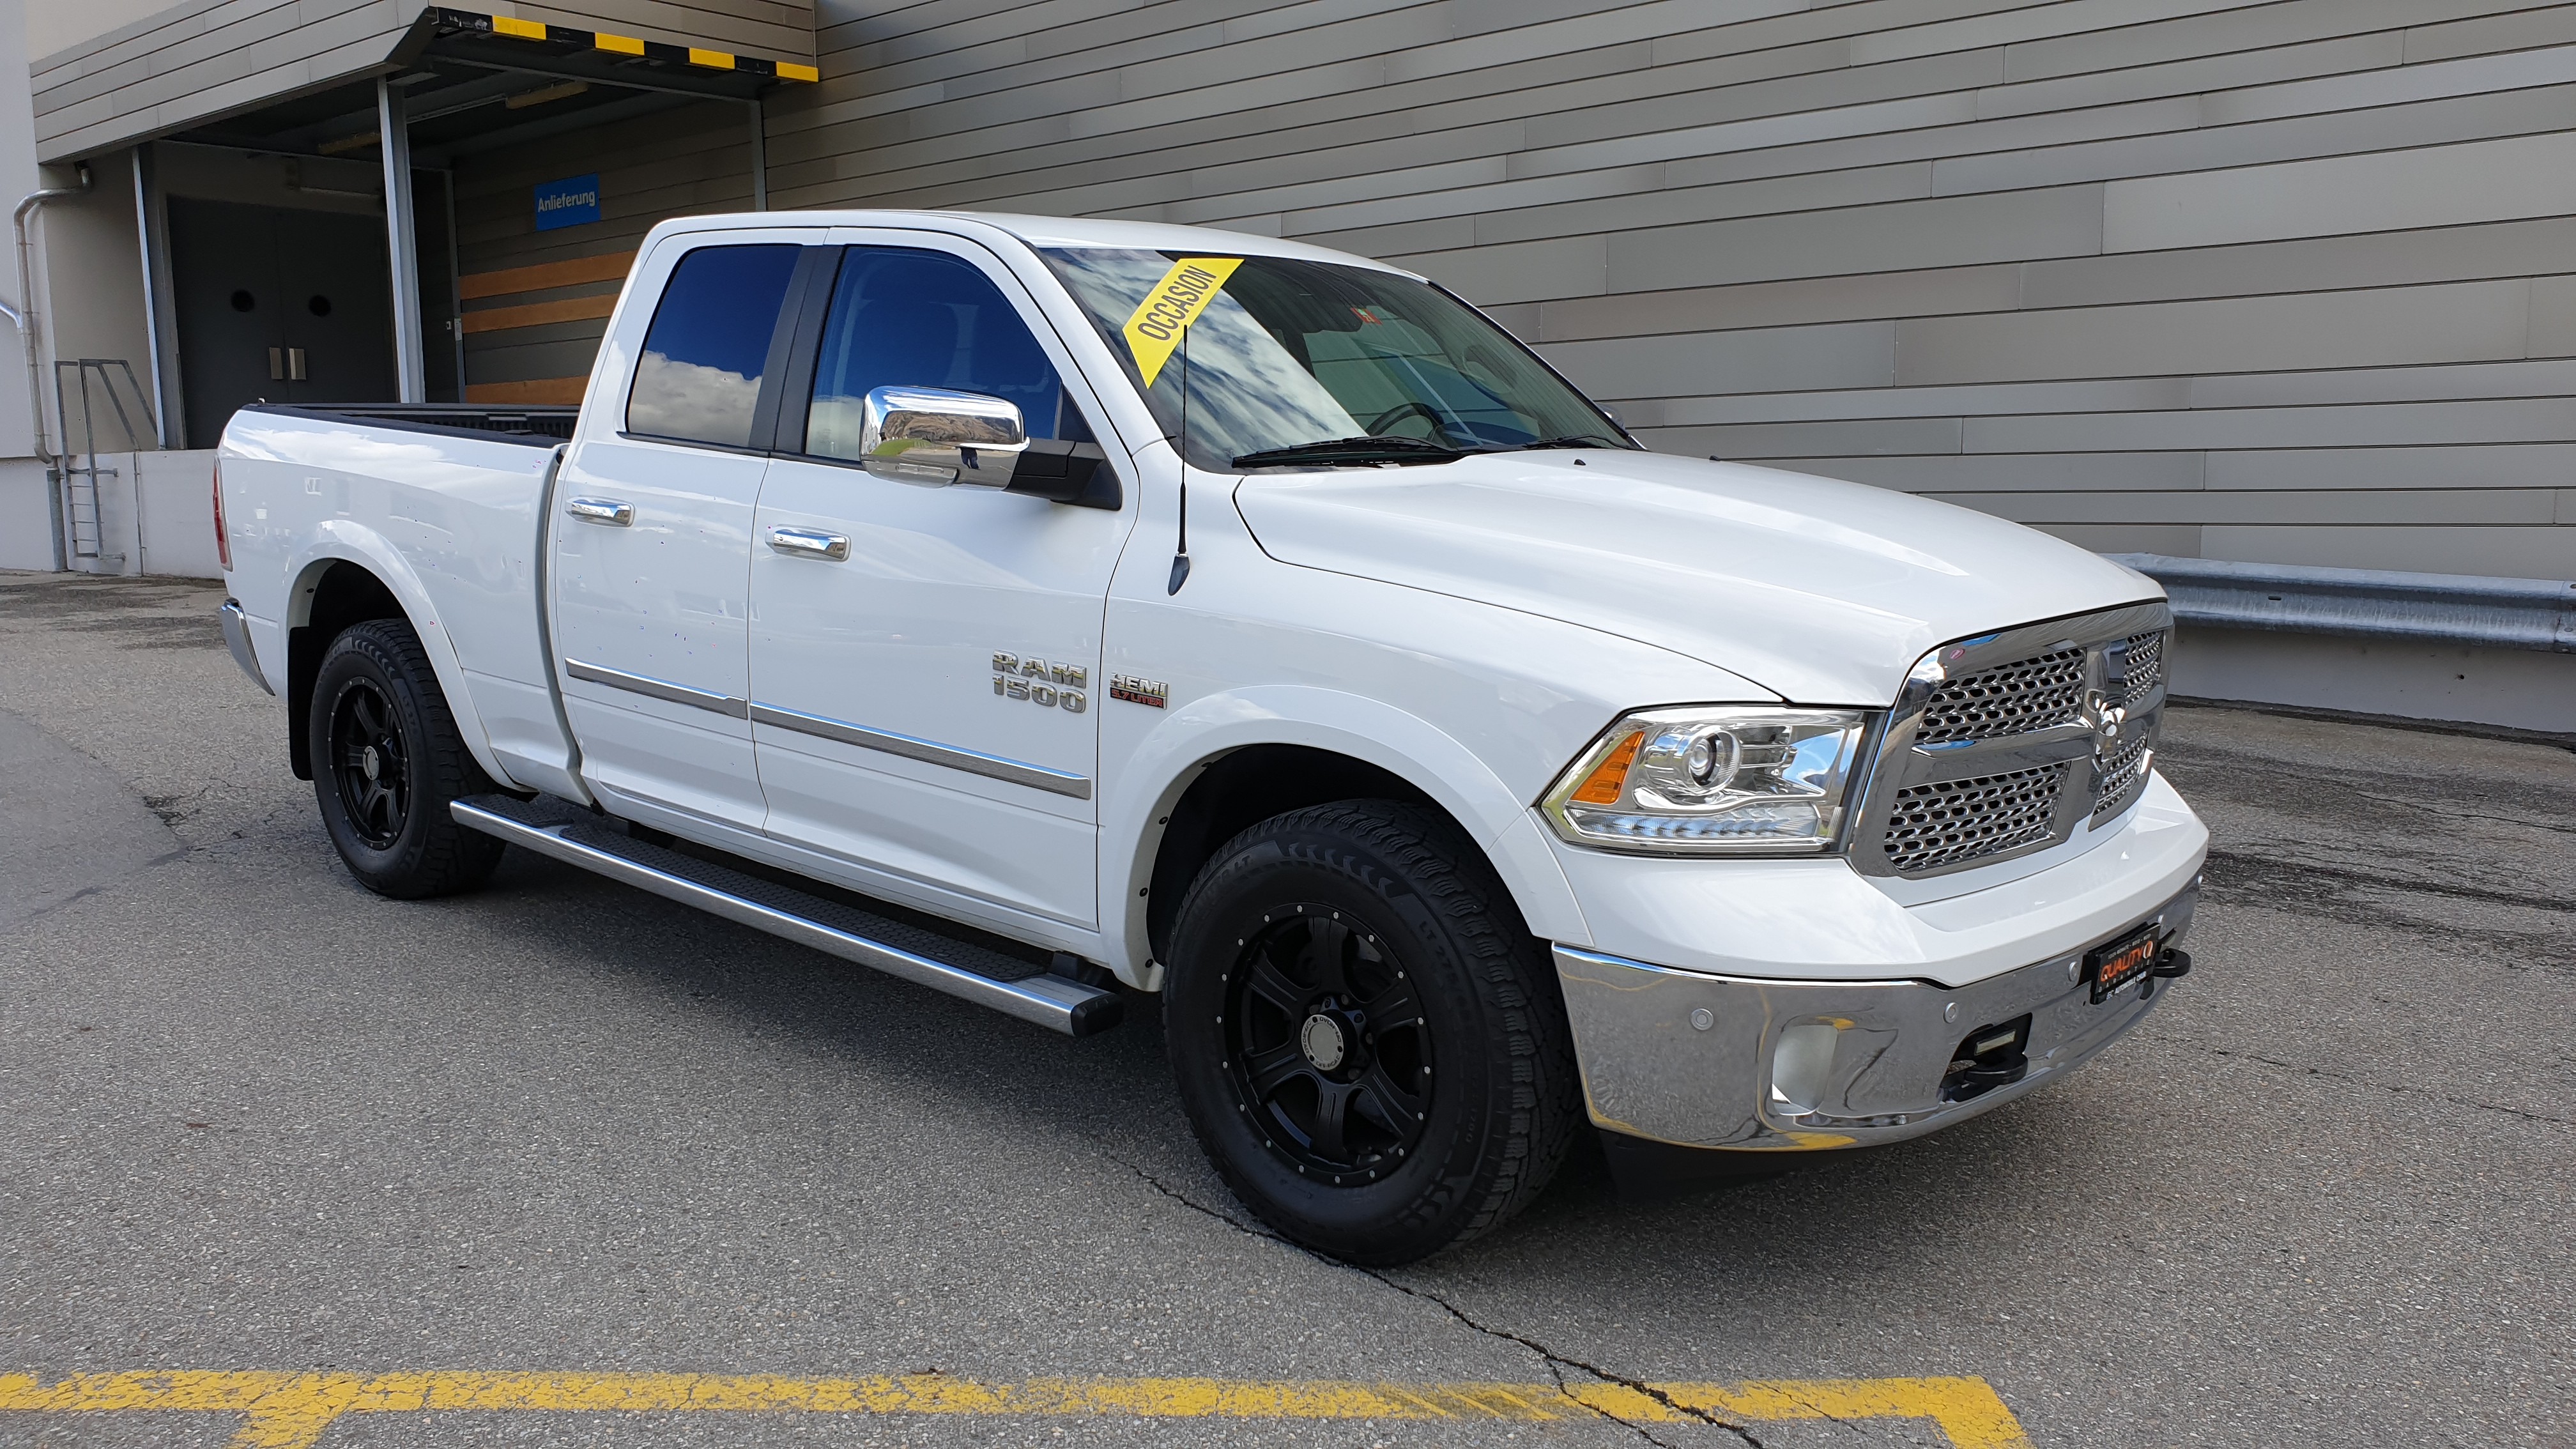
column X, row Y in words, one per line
column 1570, row 440
column 1354, row 450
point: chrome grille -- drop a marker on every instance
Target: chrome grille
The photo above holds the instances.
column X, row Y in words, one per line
column 2010, row 699
column 2146, row 665
column 2120, row 770
column 1949, row 821
column 2009, row 742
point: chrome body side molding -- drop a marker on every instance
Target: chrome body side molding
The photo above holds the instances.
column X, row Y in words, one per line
column 662, row 689
column 974, row 762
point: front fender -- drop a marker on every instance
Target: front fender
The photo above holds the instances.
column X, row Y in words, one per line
column 343, row 540
column 1171, row 755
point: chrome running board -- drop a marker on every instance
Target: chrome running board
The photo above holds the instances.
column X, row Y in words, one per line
column 960, row 968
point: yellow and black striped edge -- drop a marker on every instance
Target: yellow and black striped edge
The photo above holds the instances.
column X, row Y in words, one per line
column 517, row 29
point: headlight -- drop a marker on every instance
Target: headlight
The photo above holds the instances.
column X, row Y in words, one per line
column 1712, row 780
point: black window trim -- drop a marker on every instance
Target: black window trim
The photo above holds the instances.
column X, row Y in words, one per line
column 787, row 384
column 811, row 299
column 764, row 408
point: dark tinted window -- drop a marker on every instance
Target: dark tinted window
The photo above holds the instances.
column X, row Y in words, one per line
column 903, row 318
column 700, row 376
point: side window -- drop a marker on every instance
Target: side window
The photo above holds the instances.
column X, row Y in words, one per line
column 925, row 319
column 699, row 380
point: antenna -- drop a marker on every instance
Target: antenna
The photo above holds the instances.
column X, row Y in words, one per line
column 1181, row 544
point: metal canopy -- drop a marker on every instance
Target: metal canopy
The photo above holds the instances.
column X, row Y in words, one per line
column 603, row 55
column 461, row 83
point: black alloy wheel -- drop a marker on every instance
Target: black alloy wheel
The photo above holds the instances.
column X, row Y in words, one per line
column 387, row 760
column 1326, row 1043
column 1368, row 1041
column 370, row 763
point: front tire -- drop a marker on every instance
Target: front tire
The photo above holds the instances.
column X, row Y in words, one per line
column 387, row 760
column 1369, row 1043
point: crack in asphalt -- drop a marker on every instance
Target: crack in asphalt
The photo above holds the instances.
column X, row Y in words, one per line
column 2259, row 864
column 2480, row 815
column 2455, row 1101
column 1556, row 1362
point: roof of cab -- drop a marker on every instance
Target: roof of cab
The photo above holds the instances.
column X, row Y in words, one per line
column 1045, row 231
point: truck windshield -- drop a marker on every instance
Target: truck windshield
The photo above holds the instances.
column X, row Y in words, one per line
column 1295, row 363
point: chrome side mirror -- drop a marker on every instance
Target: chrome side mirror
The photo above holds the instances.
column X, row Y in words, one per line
column 936, row 436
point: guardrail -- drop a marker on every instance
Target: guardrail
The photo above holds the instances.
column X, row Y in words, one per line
column 2370, row 603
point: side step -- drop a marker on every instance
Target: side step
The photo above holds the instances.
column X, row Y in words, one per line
column 926, row 958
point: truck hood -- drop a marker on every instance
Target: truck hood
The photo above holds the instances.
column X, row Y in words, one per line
column 1822, row 591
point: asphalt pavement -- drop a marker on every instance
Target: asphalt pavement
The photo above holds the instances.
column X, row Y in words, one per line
column 583, row 1163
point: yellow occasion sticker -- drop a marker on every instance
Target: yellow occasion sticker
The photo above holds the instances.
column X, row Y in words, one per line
column 1175, row 303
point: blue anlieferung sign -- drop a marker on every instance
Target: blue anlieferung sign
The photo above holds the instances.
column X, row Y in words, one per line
column 569, row 202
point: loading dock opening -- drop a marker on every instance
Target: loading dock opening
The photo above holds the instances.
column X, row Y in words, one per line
column 354, row 241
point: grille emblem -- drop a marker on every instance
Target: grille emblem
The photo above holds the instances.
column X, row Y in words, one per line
column 2105, row 720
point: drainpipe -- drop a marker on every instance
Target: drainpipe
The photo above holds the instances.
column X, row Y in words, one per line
column 24, row 314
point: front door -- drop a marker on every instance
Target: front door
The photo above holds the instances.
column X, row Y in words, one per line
column 652, row 538
column 925, row 660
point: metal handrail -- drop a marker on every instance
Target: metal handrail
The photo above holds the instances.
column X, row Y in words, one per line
column 2465, row 609
column 74, row 476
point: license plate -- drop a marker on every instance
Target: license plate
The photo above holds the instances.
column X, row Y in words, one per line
column 2111, row 967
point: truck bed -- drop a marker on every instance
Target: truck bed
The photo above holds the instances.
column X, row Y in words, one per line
column 443, row 504
column 538, row 426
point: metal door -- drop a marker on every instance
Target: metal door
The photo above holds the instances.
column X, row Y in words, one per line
column 277, row 304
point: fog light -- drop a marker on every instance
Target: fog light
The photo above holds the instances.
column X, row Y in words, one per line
column 1800, row 1063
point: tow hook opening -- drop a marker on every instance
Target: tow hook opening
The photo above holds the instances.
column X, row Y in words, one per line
column 1987, row 1058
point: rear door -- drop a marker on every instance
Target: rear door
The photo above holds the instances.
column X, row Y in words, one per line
column 925, row 694
column 652, row 538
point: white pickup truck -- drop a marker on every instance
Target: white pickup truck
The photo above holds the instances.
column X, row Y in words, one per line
column 1051, row 611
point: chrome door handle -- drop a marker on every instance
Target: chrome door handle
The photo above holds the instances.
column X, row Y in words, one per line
column 601, row 510
column 810, row 543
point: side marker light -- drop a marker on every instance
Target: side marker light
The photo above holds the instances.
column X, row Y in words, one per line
column 1610, row 777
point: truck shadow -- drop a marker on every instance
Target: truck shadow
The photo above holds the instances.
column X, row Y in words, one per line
column 1877, row 1220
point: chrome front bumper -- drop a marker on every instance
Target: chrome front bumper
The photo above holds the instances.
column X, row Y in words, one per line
column 1698, row 1060
column 237, row 639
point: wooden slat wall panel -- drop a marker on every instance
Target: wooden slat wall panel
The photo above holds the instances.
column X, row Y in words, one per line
column 537, row 302
column 2288, row 279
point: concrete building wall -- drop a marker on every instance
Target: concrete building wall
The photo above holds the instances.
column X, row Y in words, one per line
column 2290, row 281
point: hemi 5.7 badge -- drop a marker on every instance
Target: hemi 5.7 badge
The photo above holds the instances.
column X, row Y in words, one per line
column 1136, row 689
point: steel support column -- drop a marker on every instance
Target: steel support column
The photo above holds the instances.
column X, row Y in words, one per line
column 410, row 365
column 146, row 239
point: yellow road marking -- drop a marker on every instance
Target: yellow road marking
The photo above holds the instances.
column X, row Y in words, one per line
column 291, row 1411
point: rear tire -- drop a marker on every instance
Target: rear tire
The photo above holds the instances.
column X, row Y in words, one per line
column 387, row 760
column 1369, row 1043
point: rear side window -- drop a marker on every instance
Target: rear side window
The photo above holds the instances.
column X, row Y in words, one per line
column 906, row 318
column 699, row 381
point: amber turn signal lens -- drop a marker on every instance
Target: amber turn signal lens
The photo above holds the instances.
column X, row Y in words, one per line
column 1608, row 778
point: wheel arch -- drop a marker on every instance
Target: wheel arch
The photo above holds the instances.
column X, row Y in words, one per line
column 1222, row 767
column 353, row 576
